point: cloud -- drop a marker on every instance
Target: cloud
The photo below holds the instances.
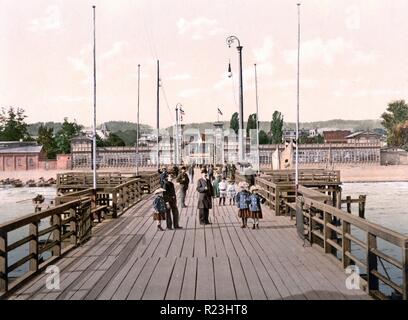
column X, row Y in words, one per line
column 189, row 93
column 69, row 99
column 264, row 53
column 327, row 52
column 367, row 93
column 182, row 76
column 199, row 28
column 52, row 21
column 116, row 50
column 83, row 63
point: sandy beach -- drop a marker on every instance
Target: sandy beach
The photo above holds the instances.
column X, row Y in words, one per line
column 369, row 173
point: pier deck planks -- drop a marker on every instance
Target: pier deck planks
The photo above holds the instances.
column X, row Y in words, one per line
column 127, row 258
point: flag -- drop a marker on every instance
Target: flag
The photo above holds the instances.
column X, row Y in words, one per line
column 219, row 112
column 182, row 113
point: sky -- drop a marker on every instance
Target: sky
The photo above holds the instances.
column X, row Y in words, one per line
column 354, row 58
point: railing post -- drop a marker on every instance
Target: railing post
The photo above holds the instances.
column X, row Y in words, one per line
column 346, row 244
column 348, row 199
column 372, row 281
column 73, row 226
column 114, row 204
column 361, row 206
column 33, row 246
column 3, row 262
column 56, row 235
column 326, row 232
column 405, row 271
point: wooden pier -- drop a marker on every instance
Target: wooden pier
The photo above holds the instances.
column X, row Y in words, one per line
column 127, row 258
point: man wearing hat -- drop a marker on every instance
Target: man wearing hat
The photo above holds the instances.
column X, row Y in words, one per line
column 171, row 200
column 159, row 207
column 163, row 176
column 184, row 181
column 205, row 190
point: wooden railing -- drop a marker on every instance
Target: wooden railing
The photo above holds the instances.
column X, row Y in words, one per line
column 66, row 226
column 305, row 175
column 337, row 232
column 66, row 182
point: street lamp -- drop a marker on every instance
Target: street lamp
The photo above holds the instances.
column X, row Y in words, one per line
column 230, row 41
column 178, row 108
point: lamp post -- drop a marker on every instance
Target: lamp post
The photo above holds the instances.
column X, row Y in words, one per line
column 230, row 41
column 178, row 108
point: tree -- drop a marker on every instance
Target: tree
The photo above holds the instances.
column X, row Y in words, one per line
column 114, row 141
column 63, row 138
column 12, row 125
column 47, row 140
column 251, row 123
column 319, row 139
column 264, row 138
column 400, row 135
column 277, row 127
column 234, row 123
column 396, row 115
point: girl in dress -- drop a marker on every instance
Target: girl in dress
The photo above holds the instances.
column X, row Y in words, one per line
column 159, row 207
column 231, row 192
column 255, row 206
column 242, row 201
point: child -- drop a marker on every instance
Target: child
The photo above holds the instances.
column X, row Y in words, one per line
column 242, row 201
column 255, row 206
column 223, row 191
column 160, row 208
column 231, row 192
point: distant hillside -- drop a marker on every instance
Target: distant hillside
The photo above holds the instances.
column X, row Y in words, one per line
column 33, row 127
column 115, row 126
column 127, row 130
column 355, row 125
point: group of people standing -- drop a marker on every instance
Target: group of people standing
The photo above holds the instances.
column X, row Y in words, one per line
column 247, row 200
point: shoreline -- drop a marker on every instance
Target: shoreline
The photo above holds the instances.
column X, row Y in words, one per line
column 348, row 174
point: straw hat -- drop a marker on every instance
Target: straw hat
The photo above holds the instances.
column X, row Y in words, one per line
column 243, row 185
column 254, row 188
column 160, row 190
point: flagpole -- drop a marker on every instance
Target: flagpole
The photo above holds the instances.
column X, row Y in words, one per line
column 137, row 130
column 257, row 118
column 94, row 111
column 297, row 107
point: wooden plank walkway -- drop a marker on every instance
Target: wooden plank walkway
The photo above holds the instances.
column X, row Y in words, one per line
column 128, row 258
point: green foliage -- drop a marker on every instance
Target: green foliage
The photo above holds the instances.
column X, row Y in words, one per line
column 116, row 126
column 47, row 140
column 13, row 126
column 395, row 116
column 319, row 139
column 112, row 141
column 251, row 124
column 264, row 138
column 234, row 123
column 63, row 138
column 277, row 127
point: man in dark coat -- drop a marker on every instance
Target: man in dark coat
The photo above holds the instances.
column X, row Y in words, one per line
column 171, row 200
column 163, row 176
column 205, row 190
column 184, row 181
